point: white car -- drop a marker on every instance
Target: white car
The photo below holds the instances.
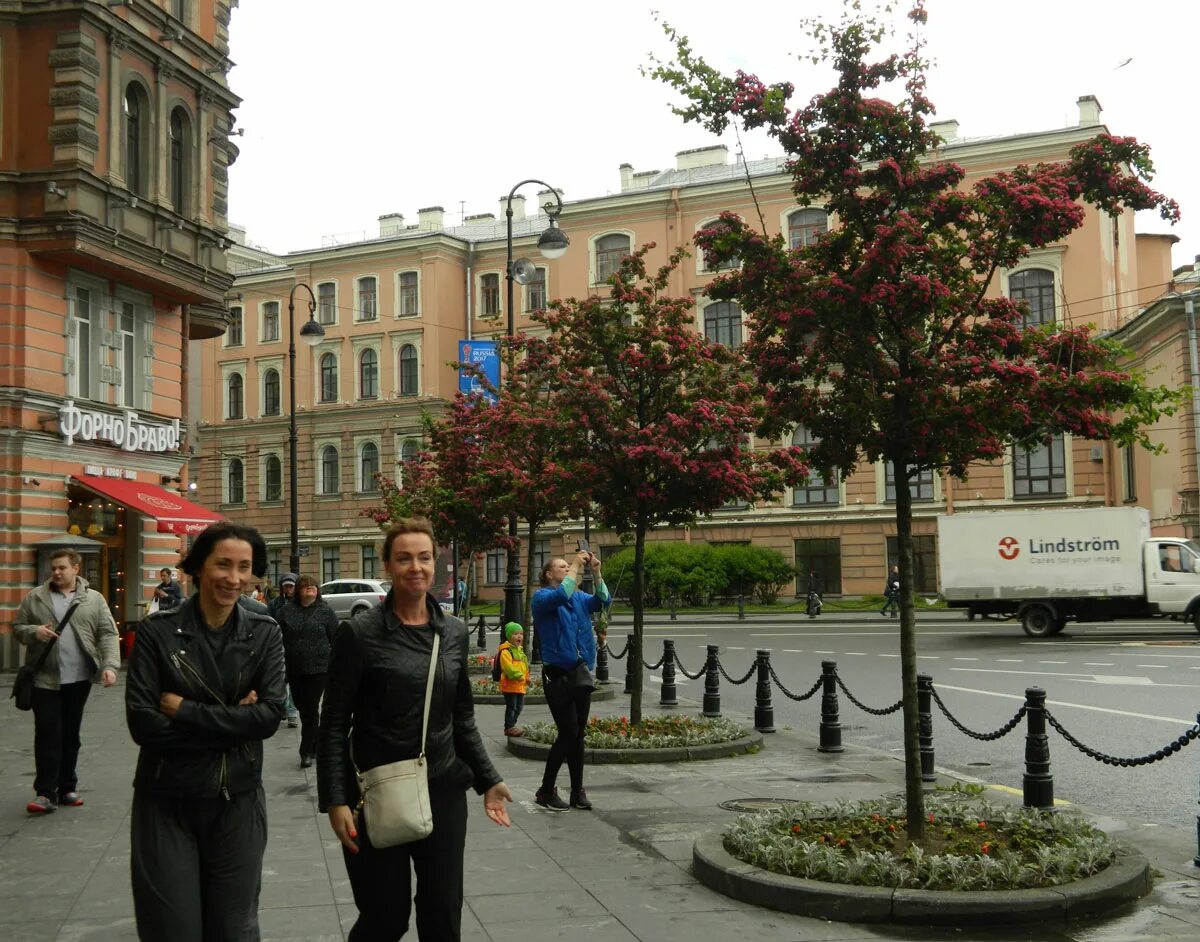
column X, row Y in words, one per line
column 348, row 597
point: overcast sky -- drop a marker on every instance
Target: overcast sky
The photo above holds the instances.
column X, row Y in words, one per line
column 389, row 107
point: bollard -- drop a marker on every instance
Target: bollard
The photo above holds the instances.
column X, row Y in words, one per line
column 741, row 608
column 1196, row 859
column 629, row 663
column 1038, row 782
column 601, row 658
column 668, row 696
column 712, row 689
column 481, row 633
column 764, row 710
column 831, row 727
column 672, row 608
column 925, row 726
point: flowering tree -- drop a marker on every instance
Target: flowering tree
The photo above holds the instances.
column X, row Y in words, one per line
column 880, row 336
column 661, row 413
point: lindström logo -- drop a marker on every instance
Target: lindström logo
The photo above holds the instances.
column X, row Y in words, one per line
column 1009, row 548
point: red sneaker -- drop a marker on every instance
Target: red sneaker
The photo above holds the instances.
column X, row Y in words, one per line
column 41, row 805
column 70, row 799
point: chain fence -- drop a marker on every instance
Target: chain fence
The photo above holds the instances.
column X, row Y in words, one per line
column 862, row 706
column 982, row 737
column 1157, row 756
column 686, row 673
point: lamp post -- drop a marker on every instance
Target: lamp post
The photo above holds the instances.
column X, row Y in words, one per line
column 552, row 243
column 312, row 332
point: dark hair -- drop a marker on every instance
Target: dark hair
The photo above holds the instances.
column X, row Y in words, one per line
column 69, row 554
column 207, row 541
column 404, row 526
column 546, row 567
column 303, row 583
column 166, row 569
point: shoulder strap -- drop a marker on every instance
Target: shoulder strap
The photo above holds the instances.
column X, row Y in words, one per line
column 429, row 689
column 62, row 623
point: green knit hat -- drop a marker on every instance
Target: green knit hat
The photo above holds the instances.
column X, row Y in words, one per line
column 511, row 629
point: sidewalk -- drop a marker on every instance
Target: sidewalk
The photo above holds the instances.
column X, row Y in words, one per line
column 619, row 873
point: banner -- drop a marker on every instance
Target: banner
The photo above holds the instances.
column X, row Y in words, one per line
column 484, row 355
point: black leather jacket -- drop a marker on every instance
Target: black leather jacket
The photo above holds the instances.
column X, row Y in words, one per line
column 376, row 687
column 213, row 746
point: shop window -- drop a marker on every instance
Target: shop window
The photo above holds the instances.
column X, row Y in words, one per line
column 822, row 559
column 924, row 562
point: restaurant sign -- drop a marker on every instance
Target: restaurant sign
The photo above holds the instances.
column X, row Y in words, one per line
column 126, row 431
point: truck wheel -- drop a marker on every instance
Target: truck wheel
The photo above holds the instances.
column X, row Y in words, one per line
column 970, row 614
column 1038, row 621
column 1196, row 618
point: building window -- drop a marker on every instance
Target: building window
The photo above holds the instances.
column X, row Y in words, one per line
column 368, row 375
column 370, row 561
column 270, row 322
column 409, row 450
column 368, row 468
column 127, row 355
column 816, row 490
column 235, row 482
column 920, row 488
column 272, row 478
column 368, row 309
column 327, row 303
column 805, row 225
column 233, row 334
column 723, row 323
column 329, row 378
column 178, row 162
column 497, row 561
column 541, row 554
column 236, row 397
column 271, row 395
column 137, row 138
column 331, row 563
column 1129, row 467
column 81, row 344
column 535, row 291
column 1034, row 287
column 179, row 10
column 274, row 566
column 408, row 370
column 924, row 562
column 1040, row 471
column 409, row 296
column 330, row 483
column 611, row 250
column 489, row 295
column 822, row 558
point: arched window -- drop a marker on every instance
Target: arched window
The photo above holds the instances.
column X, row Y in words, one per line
column 804, row 225
column 329, row 384
column 723, row 323
column 611, row 250
column 409, row 450
column 368, row 467
column 271, row 397
column 408, row 370
column 816, row 490
column 137, row 138
column 368, row 375
column 179, row 159
column 236, row 397
column 330, row 483
column 236, row 482
column 1034, row 286
column 272, row 478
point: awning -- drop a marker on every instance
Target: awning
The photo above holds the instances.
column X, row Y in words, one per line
column 174, row 514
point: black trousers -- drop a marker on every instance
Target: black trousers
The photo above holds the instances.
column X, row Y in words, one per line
column 306, row 693
column 382, row 878
column 570, row 706
column 57, row 718
column 195, row 865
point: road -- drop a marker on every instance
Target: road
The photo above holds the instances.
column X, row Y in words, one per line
column 1126, row 689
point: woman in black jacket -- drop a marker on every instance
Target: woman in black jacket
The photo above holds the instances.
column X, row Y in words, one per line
column 308, row 625
column 376, row 687
column 205, row 688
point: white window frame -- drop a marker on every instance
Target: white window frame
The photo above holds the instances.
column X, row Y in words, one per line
column 399, row 297
column 526, row 304
column 319, row 447
column 336, row 302
column 143, row 348
column 398, row 451
column 500, row 295
column 360, row 483
column 262, row 366
column 400, row 340
column 228, row 368
column 358, row 346
column 593, row 261
column 702, row 317
column 701, row 267
column 1010, row 483
column 318, row 352
column 358, row 312
column 225, row 342
column 90, row 348
column 785, row 215
column 262, row 321
column 1048, row 259
column 881, row 470
column 226, row 492
column 262, row 478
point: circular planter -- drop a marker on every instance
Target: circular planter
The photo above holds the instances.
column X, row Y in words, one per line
column 1126, row 879
column 538, row 699
column 524, row 749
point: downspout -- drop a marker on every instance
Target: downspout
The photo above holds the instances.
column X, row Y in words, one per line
column 1189, row 310
column 470, row 294
column 679, row 286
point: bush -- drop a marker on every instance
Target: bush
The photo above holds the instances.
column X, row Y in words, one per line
column 695, row 573
column 655, row 732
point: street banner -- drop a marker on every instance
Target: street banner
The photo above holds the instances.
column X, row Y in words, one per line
column 484, row 355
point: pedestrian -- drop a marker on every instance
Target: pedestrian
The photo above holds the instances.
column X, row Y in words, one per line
column 562, row 615
column 308, row 625
column 67, row 611
column 462, row 594
column 287, row 586
column 205, row 689
column 372, row 716
column 813, row 603
column 514, row 676
column 891, row 593
column 167, row 593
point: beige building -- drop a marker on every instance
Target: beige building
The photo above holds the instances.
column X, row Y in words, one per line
column 393, row 308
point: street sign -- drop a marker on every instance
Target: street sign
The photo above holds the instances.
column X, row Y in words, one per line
column 302, row 551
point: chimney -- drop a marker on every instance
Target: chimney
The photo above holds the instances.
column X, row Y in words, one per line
column 429, row 219
column 715, row 155
column 1089, row 111
column 391, row 224
column 946, row 130
column 546, row 197
column 641, row 179
column 626, row 171
column 518, row 207
column 480, row 219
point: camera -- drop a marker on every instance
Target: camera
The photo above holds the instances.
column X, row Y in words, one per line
column 583, row 546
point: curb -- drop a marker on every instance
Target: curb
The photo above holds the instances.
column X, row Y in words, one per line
column 524, row 749
column 1125, row 880
column 538, row 699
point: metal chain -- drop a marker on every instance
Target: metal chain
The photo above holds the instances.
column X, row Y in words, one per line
column 617, row 657
column 749, row 673
column 862, row 706
column 656, row 665
column 787, row 693
column 1168, row 750
column 983, row 737
column 686, row 673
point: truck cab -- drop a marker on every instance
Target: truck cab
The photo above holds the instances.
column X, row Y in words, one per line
column 1172, row 568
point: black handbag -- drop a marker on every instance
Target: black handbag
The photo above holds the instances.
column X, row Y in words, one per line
column 22, row 688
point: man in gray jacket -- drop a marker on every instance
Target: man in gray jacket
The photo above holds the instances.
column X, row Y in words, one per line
column 84, row 651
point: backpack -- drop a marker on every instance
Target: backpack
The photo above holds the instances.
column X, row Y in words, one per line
column 496, row 667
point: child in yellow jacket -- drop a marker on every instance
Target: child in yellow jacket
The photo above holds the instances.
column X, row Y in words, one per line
column 514, row 676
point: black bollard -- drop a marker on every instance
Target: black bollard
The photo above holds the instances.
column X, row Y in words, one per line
column 1196, row 859
column 1038, row 782
column 601, row 658
column 481, row 633
column 629, row 663
column 712, row 688
column 831, row 727
column 764, row 709
column 741, row 608
column 672, row 608
column 925, row 726
column 669, row 696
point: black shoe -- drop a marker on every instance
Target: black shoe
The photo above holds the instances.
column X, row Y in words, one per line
column 306, row 762
column 550, row 800
column 579, row 800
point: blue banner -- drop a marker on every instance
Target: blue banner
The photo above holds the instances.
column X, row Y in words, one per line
column 484, row 355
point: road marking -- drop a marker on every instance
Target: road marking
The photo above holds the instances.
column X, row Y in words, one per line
column 1052, row 662
column 928, row 657
column 854, row 654
column 1076, row 706
column 897, row 655
column 793, row 650
column 1058, row 802
column 966, row 659
column 1010, row 660
column 841, row 634
column 1116, row 679
column 1153, row 667
column 1110, row 664
column 731, row 648
column 824, row 652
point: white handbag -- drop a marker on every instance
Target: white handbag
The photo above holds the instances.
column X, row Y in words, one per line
column 394, row 806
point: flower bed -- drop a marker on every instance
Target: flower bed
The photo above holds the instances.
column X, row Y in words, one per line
column 490, row 688
column 479, row 664
column 656, row 732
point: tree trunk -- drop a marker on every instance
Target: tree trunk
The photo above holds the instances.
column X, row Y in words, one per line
column 913, row 791
column 637, row 597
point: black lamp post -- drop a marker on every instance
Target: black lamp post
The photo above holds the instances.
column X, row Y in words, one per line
column 552, row 244
column 312, row 332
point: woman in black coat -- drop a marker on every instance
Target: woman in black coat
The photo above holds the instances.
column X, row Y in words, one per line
column 308, row 625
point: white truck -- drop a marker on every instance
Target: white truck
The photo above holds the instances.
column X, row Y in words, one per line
column 1049, row 566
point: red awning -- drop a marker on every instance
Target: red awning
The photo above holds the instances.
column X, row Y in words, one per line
column 174, row 514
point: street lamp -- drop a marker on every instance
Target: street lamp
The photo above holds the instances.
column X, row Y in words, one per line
column 312, row 332
column 552, row 243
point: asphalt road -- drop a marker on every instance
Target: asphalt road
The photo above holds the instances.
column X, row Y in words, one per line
column 1125, row 689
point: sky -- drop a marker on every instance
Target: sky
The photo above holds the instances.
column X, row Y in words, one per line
column 394, row 106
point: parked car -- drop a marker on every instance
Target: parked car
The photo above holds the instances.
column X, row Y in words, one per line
column 348, row 597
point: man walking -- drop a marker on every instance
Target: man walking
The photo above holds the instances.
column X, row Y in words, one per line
column 167, row 593
column 287, row 587
column 75, row 624
column 891, row 593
